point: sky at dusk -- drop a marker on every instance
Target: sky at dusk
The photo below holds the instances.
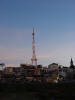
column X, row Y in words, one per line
column 54, row 23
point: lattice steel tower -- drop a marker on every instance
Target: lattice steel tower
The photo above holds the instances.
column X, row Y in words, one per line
column 33, row 59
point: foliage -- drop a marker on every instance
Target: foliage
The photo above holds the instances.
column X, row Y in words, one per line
column 38, row 91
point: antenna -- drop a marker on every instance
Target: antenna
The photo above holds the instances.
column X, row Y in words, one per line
column 33, row 59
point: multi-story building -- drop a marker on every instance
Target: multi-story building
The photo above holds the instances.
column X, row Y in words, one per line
column 53, row 66
column 8, row 70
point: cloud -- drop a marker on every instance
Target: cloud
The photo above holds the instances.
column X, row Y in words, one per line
column 8, row 53
column 60, row 55
column 46, row 53
column 44, row 56
column 71, row 33
column 17, row 55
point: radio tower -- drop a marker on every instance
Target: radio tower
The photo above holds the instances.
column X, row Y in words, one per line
column 33, row 59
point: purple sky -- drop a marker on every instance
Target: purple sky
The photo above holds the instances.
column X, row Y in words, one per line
column 54, row 23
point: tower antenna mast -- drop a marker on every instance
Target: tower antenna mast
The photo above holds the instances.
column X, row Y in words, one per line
column 33, row 59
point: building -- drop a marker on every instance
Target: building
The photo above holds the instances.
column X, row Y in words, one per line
column 63, row 72
column 53, row 66
column 27, row 69
column 8, row 70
